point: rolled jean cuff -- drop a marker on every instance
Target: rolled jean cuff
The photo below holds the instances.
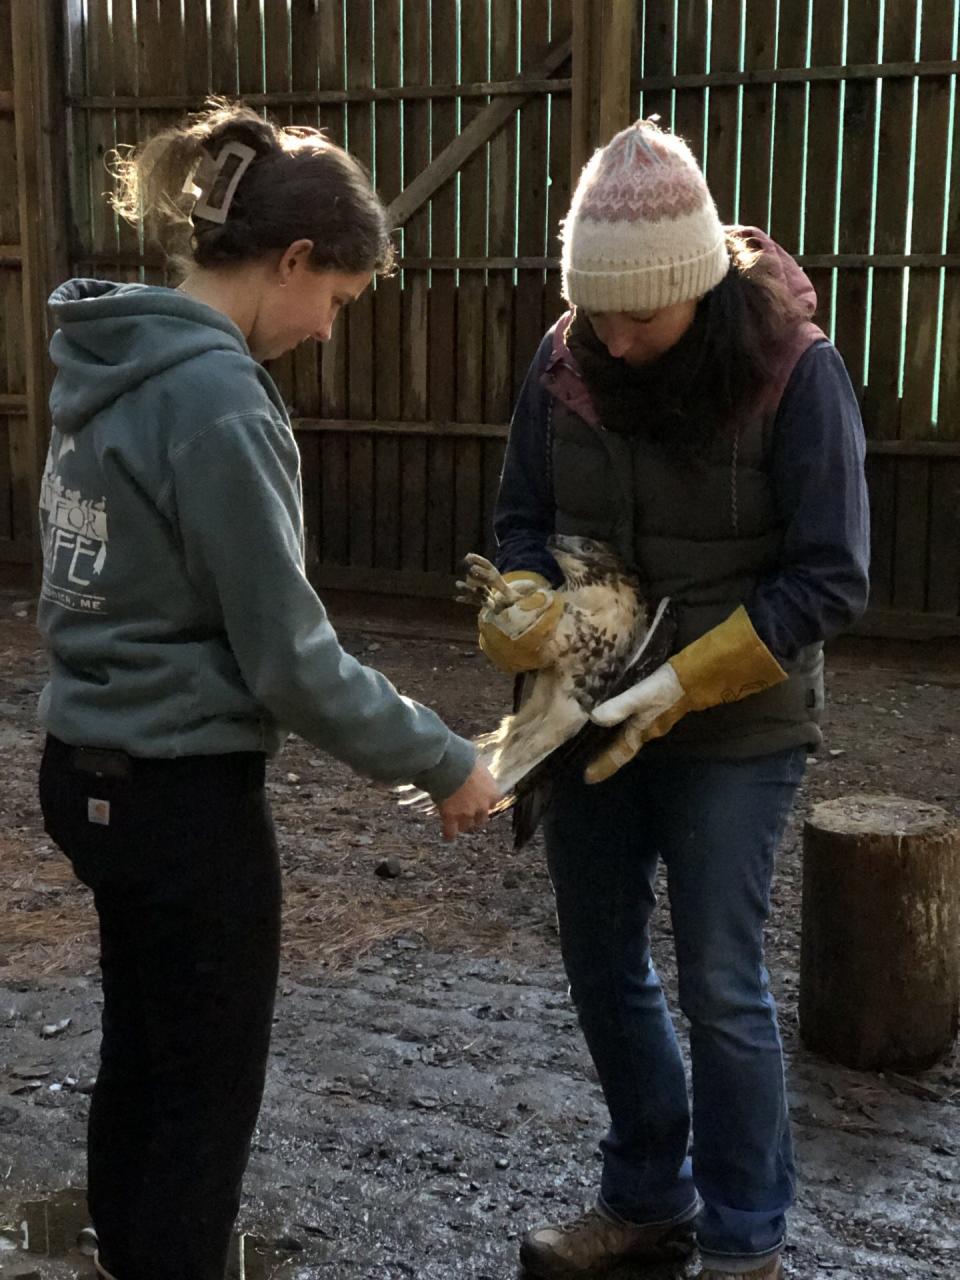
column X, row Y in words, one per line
column 738, row 1264
column 678, row 1219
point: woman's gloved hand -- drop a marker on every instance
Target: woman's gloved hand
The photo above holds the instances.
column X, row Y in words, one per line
column 726, row 664
column 516, row 637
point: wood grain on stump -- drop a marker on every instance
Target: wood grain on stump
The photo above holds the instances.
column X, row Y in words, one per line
column 880, row 944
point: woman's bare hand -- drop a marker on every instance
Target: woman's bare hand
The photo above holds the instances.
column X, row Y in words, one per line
column 469, row 806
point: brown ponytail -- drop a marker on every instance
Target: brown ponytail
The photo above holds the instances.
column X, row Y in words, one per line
column 299, row 185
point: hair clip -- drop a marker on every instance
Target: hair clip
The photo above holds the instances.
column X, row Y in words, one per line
column 207, row 173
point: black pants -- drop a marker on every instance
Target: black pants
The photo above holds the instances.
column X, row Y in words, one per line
column 182, row 860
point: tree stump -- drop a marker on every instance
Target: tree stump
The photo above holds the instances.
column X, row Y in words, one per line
column 880, row 942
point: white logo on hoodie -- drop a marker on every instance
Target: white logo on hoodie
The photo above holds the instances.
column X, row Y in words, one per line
column 74, row 537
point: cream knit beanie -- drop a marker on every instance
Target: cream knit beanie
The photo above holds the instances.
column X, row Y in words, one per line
column 642, row 231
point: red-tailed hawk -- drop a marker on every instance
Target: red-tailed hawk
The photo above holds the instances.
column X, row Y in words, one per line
column 604, row 641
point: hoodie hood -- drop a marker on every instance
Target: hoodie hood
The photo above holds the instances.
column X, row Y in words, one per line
column 110, row 338
column 785, row 268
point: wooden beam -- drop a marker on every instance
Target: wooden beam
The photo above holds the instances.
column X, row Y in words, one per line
column 801, row 75
column 901, row 624
column 916, row 448
column 41, row 179
column 389, row 582
column 13, row 405
column 329, row 97
column 6, row 102
column 444, row 430
column 480, row 129
column 11, row 255
column 616, row 51
column 602, row 53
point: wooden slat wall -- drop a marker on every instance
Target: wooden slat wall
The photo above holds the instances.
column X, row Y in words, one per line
column 823, row 189
column 428, row 365
column 16, row 516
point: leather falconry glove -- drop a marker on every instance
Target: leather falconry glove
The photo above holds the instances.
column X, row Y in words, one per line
column 726, row 664
column 515, row 637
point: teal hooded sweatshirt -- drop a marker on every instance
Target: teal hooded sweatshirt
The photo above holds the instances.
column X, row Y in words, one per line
column 174, row 604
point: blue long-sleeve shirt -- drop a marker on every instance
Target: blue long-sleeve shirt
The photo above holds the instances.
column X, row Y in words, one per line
column 819, row 586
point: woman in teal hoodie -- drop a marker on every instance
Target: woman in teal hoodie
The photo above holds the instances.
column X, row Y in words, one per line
column 184, row 640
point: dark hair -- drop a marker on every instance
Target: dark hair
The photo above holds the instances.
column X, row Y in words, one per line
column 300, row 185
column 721, row 367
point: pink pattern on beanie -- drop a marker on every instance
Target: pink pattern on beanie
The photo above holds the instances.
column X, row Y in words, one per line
column 643, row 177
column 642, row 231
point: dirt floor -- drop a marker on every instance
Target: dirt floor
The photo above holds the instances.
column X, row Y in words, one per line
column 429, row 1097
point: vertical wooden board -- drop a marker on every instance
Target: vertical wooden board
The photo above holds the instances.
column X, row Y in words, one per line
column 151, row 77
column 440, row 461
column 277, row 50
column 689, row 112
column 388, row 168
column 6, row 46
column 658, row 34
column 361, row 498
column 881, row 486
column 910, row 538
column 492, row 467
column 386, row 470
column 331, row 74
column 197, row 61
column 308, row 444
column 948, row 417
column 438, row 457
column 416, row 234
column 22, row 493
column 250, row 46
column 334, row 498
column 757, row 115
column 223, row 46
column 473, row 222
column 126, row 78
column 931, row 160
column 304, row 56
column 9, row 203
column 823, row 132
column 333, row 377
column 6, row 481
column 101, row 132
column 789, row 128
column 881, row 404
column 558, row 205
column 534, row 161
column 856, row 191
column 723, row 113
column 502, row 224
column 468, row 498
column 304, row 45
column 13, row 323
column 943, row 585
column 416, row 502
column 442, row 354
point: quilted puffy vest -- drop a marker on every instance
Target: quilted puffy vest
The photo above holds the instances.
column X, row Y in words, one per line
column 703, row 535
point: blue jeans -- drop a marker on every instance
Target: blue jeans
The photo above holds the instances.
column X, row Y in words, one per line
column 716, row 825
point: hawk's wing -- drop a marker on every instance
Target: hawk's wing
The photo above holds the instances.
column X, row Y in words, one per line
column 534, row 792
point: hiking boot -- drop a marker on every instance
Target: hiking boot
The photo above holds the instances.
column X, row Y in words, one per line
column 772, row 1269
column 593, row 1243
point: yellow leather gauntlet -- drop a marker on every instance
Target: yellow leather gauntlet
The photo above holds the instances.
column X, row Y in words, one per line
column 726, row 664
column 516, row 638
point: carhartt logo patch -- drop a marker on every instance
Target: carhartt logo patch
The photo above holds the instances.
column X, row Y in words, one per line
column 98, row 811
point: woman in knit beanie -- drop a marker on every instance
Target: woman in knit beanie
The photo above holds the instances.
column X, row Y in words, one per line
column 687, row 411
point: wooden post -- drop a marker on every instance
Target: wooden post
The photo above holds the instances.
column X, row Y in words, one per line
column 880, row 943
column 39, row 110
column 602, row 57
